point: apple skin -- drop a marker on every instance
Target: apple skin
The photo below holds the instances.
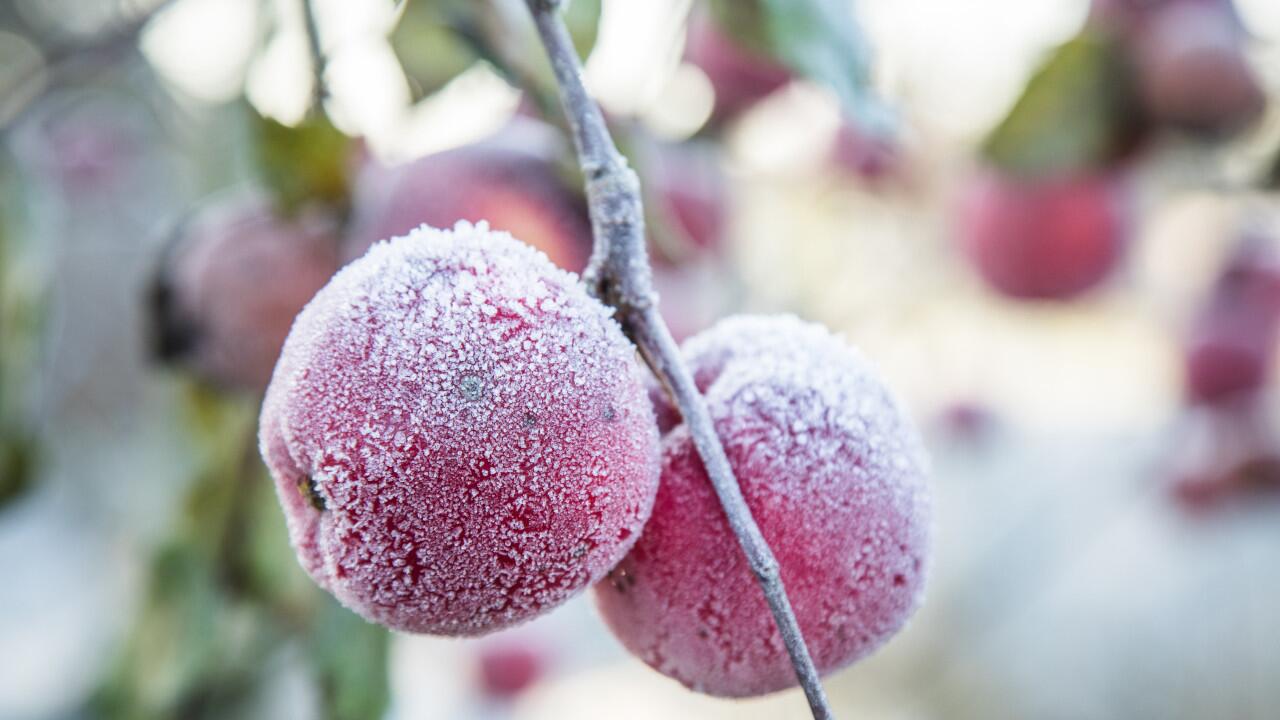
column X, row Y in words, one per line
column 1192, row 71
column 1044, row 238
column 1189, row 62
column 510, row 180
column 1230, row 345
column 232, row 281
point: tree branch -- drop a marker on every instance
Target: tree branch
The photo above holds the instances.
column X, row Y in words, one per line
column 319, row 62
column 619, row 274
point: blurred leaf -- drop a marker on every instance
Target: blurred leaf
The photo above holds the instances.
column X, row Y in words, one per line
column 17, row 464
column 305, row 163
column 193, row 651
column 819, row 40
column 583, row 20
column 1271, row 180
column 20, row 322
column 197, row 645
column 429, row 47
column 1076, row 112
column 267, row 561
column 349, row 656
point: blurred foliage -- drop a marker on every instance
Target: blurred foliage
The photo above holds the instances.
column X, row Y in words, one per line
column 428, row 45
column 1271, row 178
column 226, row 596
column 305, row 163
column 436, row 40
column 820, row 40
column 1077, row 112
column 20, row 313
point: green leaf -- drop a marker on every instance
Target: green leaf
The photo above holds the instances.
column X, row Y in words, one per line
column 305, row 163
column 819, row 40
column 583, row 21
column 17, row 464
column 1077, row 112
column 428, row 45
column 349, row 656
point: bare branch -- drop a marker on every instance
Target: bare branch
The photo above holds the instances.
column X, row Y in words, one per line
column 619, row 274
column 319, row 62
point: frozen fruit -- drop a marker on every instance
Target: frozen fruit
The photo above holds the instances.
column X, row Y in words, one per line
column 510, row 181
column 833, row 473
column 231, row 284
column 459, row 434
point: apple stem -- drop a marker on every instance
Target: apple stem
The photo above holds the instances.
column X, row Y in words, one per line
column 619, row 274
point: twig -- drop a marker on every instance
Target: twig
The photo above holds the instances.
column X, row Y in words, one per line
column 319, row 62
column 619, row 274
column 95, row 55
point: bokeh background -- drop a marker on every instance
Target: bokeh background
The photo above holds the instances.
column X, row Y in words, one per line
column 1098, row 412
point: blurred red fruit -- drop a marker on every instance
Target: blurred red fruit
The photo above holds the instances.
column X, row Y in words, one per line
column 739, row 76
column 864, row 156
column 967, row 421
column 231, row 285
column 1231, row 344
column 508, row 668
column 1192, row 70
column 510, row 180
column 1044, row 239
column 686, row 187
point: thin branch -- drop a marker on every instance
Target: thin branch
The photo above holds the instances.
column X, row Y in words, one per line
column 619, row 274
column 319, row 61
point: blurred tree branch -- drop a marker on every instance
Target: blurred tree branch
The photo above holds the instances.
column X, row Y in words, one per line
column 319, row 61
column 70, row 61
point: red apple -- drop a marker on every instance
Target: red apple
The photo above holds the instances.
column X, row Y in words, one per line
column 1192, row 69
column 1230, row 346
column 233, row 281
column 687, row 191
column 511, row 180
column 1044, row 238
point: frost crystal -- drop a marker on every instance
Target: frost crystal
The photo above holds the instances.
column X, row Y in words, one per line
column 443, row 397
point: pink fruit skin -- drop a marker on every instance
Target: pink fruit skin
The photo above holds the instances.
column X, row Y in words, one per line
column 236, row 279
column 739, row 77
column 834, row 476
column 1044, row 239
column 687, row 184
column 1228, row 356
column 510, row 668
column 509, row 181
column 1231, row 344
column 1192, row 70
column 869, row 158
column 459, row 435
